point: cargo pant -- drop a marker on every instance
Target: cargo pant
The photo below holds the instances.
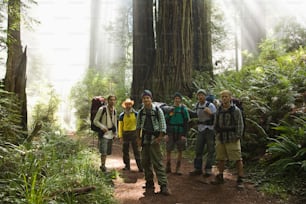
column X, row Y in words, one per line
column 151, row 158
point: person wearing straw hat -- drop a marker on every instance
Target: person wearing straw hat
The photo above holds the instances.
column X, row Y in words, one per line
column 127, row 134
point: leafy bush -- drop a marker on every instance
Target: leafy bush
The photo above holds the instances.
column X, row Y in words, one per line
column 50, row 172
column 10, row 128
column 288, row 149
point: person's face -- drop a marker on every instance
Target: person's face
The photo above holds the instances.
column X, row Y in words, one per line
column 128, row 106
column 201, row 97
column 177, row 101
column 147, row 101
column 226, row 98
column 112, row 101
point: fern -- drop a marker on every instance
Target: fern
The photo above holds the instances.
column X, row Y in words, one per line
column 288, row 150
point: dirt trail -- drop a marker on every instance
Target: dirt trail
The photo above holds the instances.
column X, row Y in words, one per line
column 185, row 189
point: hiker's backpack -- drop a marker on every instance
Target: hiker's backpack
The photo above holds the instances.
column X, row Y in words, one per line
column 237, row 103
column 210, row 98
column 163, row 106
column 96, row 103
column 212, row 118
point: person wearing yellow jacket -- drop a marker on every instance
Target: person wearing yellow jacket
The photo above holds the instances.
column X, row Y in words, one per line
column 127, row 134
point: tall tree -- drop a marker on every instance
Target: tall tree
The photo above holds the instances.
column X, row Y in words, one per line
column 143, row 47
column 173, row 69
column 15, row 78
column 202, row 36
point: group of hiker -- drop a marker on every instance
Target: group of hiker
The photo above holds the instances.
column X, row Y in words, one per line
column 219, row 127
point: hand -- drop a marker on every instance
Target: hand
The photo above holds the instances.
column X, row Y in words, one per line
column 207, row 110
column 158, row 139
column 104, row 130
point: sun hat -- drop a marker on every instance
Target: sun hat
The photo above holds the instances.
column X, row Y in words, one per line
column 128, row 100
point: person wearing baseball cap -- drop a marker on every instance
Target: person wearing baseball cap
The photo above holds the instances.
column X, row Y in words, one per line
column 177, row 127
column 205, row 112
column 151, row 127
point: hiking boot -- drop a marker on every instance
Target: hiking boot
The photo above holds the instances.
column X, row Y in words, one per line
column 149, row 185
column 240, row 185
column 195, row 172
column 168, row 168
column 103, row 168
column 164, row 191
column 218, row 180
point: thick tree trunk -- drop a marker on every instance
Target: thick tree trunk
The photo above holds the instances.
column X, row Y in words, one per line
column 143, row 47
column 15, row 78
column 202, row 36
column 174, row 49
column 14, row 48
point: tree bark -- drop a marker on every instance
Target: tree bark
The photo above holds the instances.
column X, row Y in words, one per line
column 202, row 36
column 174, row 49
column 143, row 47
column 15, row 78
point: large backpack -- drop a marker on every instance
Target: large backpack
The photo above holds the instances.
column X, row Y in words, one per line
column 96, row 103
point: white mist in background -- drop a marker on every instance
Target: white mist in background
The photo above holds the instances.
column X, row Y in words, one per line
column 58, row 49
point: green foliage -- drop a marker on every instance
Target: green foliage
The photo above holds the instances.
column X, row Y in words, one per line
column 291, row 34
column 50, row 170
column 288, row 149
column 10, row 129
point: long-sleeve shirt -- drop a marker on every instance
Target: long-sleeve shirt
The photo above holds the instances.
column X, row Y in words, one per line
column 156, row 116
column 107, row 120
column 229, row 124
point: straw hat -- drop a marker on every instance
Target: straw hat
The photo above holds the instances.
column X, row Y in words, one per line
column 128, row 100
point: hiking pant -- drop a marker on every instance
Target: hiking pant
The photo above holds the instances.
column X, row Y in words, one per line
column 152, row 159
column 129, row 137
column 206, row 137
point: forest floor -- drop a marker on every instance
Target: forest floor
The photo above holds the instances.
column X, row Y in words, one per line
column 184, row 189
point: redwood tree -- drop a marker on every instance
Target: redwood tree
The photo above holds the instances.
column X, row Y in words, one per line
column 173, row 68
column 15, row 78
column 202, row 36
column 143, row 47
